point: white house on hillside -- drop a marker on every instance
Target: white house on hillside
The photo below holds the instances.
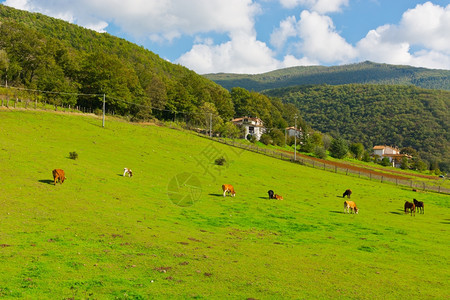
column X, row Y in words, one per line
column 252, row 126
column 390, row 152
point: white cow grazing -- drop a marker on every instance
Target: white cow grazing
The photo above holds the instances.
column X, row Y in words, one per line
column 127, row 171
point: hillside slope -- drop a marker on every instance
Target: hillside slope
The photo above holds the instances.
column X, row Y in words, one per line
column 101, row 235
column 43, row 53
column 404, row 116
column 366, row 72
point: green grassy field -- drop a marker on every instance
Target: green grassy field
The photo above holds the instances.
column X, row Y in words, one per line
column 103, row 236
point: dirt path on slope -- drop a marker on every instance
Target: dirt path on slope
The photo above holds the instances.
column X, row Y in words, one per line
column 401, row 175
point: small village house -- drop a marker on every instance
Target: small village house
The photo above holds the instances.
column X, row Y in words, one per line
column 252, row 126
column 393, row 153
column 290, row 131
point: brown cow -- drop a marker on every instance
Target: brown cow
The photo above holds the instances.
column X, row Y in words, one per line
column 58, row 175
column 350, row 205
column 228, row 188
column 278, row 197
column 411, row 207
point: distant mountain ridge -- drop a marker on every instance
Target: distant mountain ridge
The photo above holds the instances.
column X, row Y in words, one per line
column 365, row 73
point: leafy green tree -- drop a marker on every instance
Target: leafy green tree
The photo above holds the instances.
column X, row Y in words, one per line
column 418, row 164
column 357, row 149
column 404, row 165
column 366, row 156
column 277, row 136
column 229, row 130
column 266, row 139
column 338, row 148
column 326, row 140
column 385, row 162
column 206, row 113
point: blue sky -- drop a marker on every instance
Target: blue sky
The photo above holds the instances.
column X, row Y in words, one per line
column 256, row 36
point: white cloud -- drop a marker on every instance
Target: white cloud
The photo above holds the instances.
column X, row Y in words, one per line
column 320, row 6
column 160, row 19
column 320, row 40
column 316, row 38
column 286, row 30
column 420, row 38
column 425, row 27
column 242, row 54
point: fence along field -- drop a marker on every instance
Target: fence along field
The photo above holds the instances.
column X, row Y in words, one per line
column 14, row 101
column 387, row 178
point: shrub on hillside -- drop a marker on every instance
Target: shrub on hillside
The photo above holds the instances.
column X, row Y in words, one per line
column 73, row 155
column 220, row 161
column 266, row 139
column 320, row 152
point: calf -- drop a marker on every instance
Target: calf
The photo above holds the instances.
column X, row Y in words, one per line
column 271, row 193
column 350, row 205
column 347, row 193
column 419, row 205
column 228, row 188
column 127, row 171
column 411, row 207
column 278, row 197
column 58, row 176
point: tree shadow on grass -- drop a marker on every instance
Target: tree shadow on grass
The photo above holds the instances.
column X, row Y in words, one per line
column 47, row 181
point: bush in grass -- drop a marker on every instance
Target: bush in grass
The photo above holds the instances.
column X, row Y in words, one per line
column 266, row 139
column 320, row 152
column 251, row 138
column 385, row 162
column 73, row 155
column 220, row 161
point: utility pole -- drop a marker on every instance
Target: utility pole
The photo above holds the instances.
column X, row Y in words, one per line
column 210, row 124
column 295, row 138
column 103, row 121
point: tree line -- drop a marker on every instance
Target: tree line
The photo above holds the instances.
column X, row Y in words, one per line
column 42, row 53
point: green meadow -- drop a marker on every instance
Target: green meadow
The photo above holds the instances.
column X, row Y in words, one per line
column 167, row 232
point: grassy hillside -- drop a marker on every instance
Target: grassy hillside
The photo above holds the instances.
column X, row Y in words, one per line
column 101, row 235
column 366, row 72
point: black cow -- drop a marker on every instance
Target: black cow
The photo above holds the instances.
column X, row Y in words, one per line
column 420, row 206
column 271, row 193
column 347, row 193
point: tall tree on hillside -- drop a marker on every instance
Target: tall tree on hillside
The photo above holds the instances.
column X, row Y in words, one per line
column 338, row 148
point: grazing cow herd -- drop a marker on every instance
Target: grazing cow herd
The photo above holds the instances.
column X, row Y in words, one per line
column 228, row 189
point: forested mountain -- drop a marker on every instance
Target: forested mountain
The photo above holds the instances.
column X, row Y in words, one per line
column 366, row 72
column 403, row 116
column 47, row 54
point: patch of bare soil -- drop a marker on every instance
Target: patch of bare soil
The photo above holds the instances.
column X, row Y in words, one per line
column 391, row 174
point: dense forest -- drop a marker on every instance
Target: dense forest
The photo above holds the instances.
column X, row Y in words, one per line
column 364, row 73
column 42, row 53
column 402, row 116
